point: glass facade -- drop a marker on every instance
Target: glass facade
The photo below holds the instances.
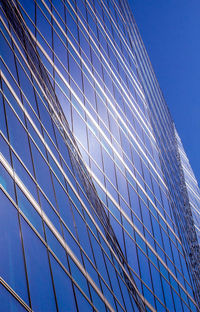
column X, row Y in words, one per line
column 99, row 206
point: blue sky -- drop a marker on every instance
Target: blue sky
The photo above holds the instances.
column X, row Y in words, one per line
column 170, row 30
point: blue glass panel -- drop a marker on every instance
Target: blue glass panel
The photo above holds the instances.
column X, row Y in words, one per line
column 43, row 174
column 51, row 214
column 108, row 295
column 29, row 211
column 114, row 281
column 6, row 181
column 157, row 283
column 97, row 301
column 40, row 283
column 8, row 303
column 100, row 264
column 63, row 288
column 4, row 148
column 12, row 264
column 19, row 139
column 144, row 267
column 24, row 176
column 82, row 233
column 168, row 295
column 56, row 247
column 61, row 196
column 82, row 302
column 36, row 138
column 178, row 303
column 79, row 277
column 149, row 296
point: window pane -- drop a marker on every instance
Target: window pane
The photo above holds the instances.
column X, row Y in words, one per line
column 40, row 283
column 11, row 260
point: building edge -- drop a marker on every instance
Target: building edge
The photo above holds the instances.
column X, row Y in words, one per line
column 163, row 125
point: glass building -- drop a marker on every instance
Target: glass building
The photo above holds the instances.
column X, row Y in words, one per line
column 99, row 207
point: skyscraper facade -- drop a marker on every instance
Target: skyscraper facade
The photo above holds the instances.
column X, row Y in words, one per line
column 99, row 207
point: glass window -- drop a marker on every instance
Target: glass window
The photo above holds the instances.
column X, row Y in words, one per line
column 49, row 211
column 6, row 181
column 83, row 304
column 29, row 211
column 144, row 268
column 40, row 283
column 56, row 247
column 19, row 139
column 79, row 277
column 82, row 233
column 8, row 302
column 5, row 148
column 97, row 301
column 168, row 295
column 43, row 174
column 24, row 176
column 63, row 288
column 12, row 263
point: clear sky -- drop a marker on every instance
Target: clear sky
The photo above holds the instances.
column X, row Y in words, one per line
column 170, row 30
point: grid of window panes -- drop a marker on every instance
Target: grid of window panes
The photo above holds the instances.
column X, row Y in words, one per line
column 44, row 206
column 52, row 240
